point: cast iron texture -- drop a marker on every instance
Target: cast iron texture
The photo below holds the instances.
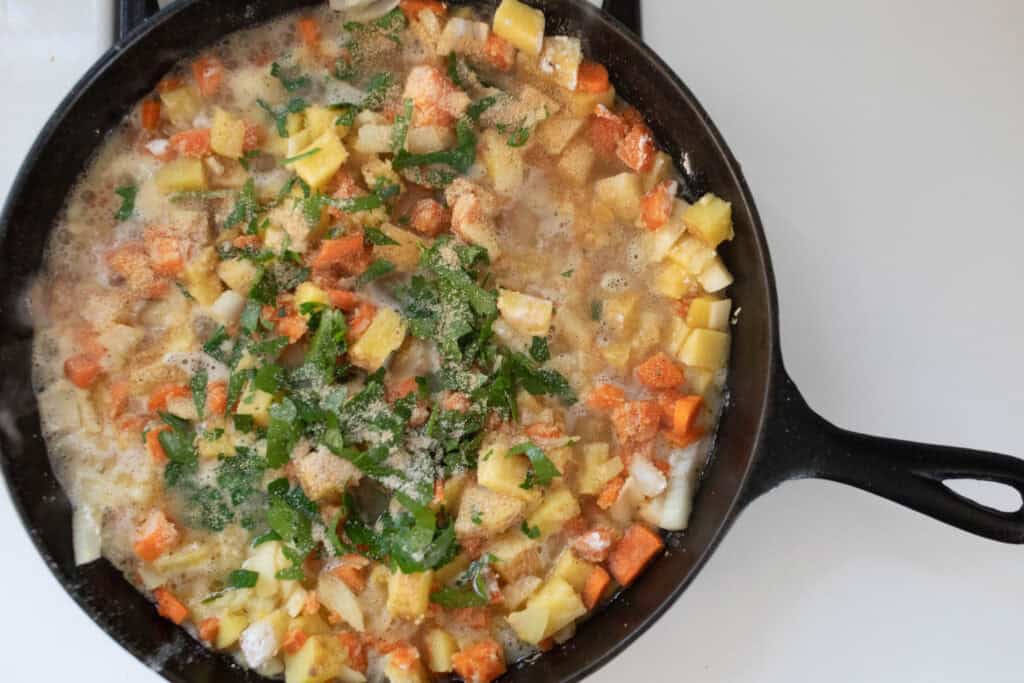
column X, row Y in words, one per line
column 798, row 442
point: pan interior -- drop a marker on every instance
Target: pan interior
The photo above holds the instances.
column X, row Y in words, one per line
column 101, row 100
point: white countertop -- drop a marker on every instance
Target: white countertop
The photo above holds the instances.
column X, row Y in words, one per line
column 883, row 142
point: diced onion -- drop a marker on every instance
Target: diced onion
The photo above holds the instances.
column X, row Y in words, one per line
column 649, row 479
column 339, row 598
column 85, row 535
column 228, row 307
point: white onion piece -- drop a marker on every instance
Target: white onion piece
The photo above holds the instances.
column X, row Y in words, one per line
column 339, row 598
column 363, row 10
column 192, row 362
column 649, row 479
column 671, row 510
column 85, row 535
column 227, row 309
column 340, row 92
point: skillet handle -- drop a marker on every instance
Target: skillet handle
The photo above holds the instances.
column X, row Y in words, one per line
column 801, row 444
column 130, row 14
column 627, row 12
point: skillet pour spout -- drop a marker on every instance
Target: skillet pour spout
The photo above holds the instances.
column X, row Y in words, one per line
column 767, row 435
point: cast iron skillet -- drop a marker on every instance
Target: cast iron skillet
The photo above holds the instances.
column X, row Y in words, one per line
column 768, row 434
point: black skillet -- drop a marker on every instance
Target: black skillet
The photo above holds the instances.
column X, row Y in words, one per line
column 768, row 434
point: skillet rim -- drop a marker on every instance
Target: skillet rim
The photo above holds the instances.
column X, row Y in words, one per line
column 765, row 270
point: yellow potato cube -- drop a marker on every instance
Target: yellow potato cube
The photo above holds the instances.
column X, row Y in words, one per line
column 557, row 507
column 672, row 281
column 229, row 629
column 715, row 277
column 531, row 623
column 622, row 193
column 238, row 274
column 619, row 312
column 318, row 660
column 440, row 648
column 661, row 243
column 180, row 106
column 560, row 60
column 505, row 164
column 699, row 380
column 572, row 569
column 503, row 473
column 521, row 25
column 319, row 120
column 555, row 134
column 181, row 175
column 582, row 104
column 597, row 468
column 711, row 219
column 227, row 135
column 708, row 349
column 409, row 594
column 298, row 142
column 677, row 336
column 617, row 354
column 384, row 335
column 528, row 315
column 484, row 512
column 562, row 603
column 201, row 278
column 406, row 254
column 709, row 313
column 256, row 403
column 308, row 293
column 692, row 254
column 321, row 165
column 516, row 555
column 577, row 162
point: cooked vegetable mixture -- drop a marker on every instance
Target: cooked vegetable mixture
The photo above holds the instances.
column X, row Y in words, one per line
column 381, row 342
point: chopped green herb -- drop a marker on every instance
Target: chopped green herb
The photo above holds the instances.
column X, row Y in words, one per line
column 198, row 386
column 299, row 157
column 539, row 350
column 280, row 117
column 477, row 518
column 246, row 207
column 377, row 90
column 249, row 156
column 290, row 84
column 376, row 270
column 127, row 195
column 543, row 470
column 282, row 433
column 379, row 237
column 243, row 578
column 568, row 274
column 477, row 109
column 519, row 137
column 596, row 310
column 268, row 378
column 530, row 531
column 460, row 159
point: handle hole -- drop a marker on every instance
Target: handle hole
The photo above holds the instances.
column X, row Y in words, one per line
column 994, row 495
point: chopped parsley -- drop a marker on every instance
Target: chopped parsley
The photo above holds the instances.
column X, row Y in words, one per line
column 379, row 237
column 543, row 471
column 299, row 157
column 198, row 386
column 519, row 138
column 375, row 271
column 539, row 350
column 530, row 531
column 280, row 116
column 290, row 83
column 127, row 195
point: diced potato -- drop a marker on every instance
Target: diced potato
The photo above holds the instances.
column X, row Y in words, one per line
column 503, row 473
column 183, row 407
column 256, row 403
column 572, row 569
column 692, row 254
column 464, row 36
column 531, row 623
column 181, row 175
column 709, row 313
column 440, row 647
column 711, row 219
column 505, row 164
column 660, row 171
column 622, row 193
column 180, row 106
column 553, row 607
column 555, row 134
column 120, row 341
column 261, row 640
column 699, row 380
column 201, row 278
column 715, row 277
column 321, row 119
column 561, row 458
column 229, row 629
column 452, row 570
column 453, row 490
column 528, row 315
column 483, row 512
column 298, row 142
column 521, row 25
column 597, row 468
column 309, row 293
column 672, row 281
column 577, row 162
column 374, row 139
column 409, row 594
column 211, row 450
column 619, row 312
column 227, row 135
column 648, row 333
column 660, row 243
column 519, row 591
column 516, row 555
column 320, row 167
column 427, row 139
column 582, row 104
column 708, row 349
column 406, row 254
column 318, row 660
column 557, row 507
column 384, row 335
column 560, row 60
column 339, row 598
column 324, row 475
column 677, row 336
column 238, row 274
column 617, row 354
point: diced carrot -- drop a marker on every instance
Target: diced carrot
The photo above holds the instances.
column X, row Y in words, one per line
column 412, row 8
column 356, row 649
column 480, row 663
column 309, row 31
column 438, row 492
column 457, row 401
column 688, row 439
column 343, row 299
column 159, row 396
column 294, row 640
column 165, row 255
column 607, row 131
column 82, row 369
column 637, row 149
column 157, row 289
column 132, row 423
column 156, row 451
column 684, row 415
column 150, row 114
column 292, row 326
column 119, row 395
column 430, row 218
column 155, row 537
column 192, row 143
column 610, row 493
column 339, row 252
column 596, row 585
column 636, row 549
column 208, row 629
column 399, row 391
column 592, row 78
column 659, row 372
column 546, row 645
column 575, row 526
column 656, row 206
column 605, row 397
column 636, row 422
column 169, row 83
column 499, row 52
column 169, row 606
column 406, row 657
column 361, row 319
column 471, row 617
column 542, row 431
column 209, row 74
column 633, row 117
column 217, row 398
column 253, row 136
column 351, row 576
